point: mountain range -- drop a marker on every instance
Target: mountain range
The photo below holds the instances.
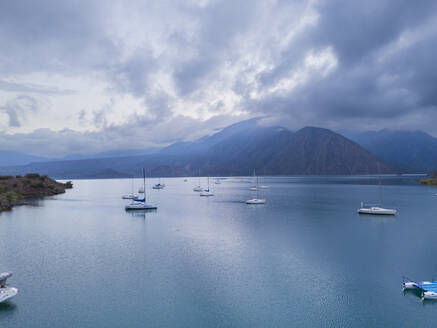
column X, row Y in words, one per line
column 271, row 150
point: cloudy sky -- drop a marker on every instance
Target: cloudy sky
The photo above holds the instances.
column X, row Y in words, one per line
column 92, row 76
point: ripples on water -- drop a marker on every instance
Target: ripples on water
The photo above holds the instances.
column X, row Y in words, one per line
column 306, row 258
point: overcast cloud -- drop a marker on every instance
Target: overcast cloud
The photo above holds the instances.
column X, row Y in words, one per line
column 93, row 76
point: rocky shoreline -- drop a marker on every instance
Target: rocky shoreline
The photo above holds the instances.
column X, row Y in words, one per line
column 15, row 190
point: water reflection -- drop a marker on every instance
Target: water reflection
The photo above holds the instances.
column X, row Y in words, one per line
column 140, row 213
column 7, row 309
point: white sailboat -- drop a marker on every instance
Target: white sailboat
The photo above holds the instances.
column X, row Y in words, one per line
column 131, row 195
column 207, row 192
column 255, row 187
column 159, row 185
column 198, row 188
column 376, row 209
column 6, row 292
column 141, row 204
column 257, row 200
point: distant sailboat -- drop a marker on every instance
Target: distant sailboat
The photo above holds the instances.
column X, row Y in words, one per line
column 198, row 188
column 207, row 192
column 141, row 204
column 159, row 185
column 255, row 186
column 131, row 195
column 376, row 209
column 257, row 200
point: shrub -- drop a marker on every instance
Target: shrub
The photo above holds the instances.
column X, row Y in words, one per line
column 38, row 184
column 32, row 175
column 6, row 177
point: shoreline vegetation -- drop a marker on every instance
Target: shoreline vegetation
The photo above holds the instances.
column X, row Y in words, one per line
column 431, row 180
column 15, row 190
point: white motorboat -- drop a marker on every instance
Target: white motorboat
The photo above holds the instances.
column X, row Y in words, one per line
column 207, row 192
column 6, row 292
column 141, row 204
column 141, row 190
column 428, row 288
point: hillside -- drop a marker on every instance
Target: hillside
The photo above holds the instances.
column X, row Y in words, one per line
column 277, row 151
column 235, row 150
column 407, row 151
column 13, row 190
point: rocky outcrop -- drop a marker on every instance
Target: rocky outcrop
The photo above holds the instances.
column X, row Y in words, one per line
column 15, row 190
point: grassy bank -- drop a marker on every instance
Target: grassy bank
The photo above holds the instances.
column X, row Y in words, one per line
column 431, row 180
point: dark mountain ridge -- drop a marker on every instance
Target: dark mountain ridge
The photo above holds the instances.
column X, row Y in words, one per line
column 407, row 151
column 235, row 150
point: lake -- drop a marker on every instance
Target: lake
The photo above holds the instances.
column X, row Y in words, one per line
column 305, row 258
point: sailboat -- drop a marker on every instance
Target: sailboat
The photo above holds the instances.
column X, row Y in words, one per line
column 376, row 209
column 198, row 188
column 207, row 192
column 255, row 187
column 256, row 200
column 131, row 195
column 141, row 204
column 6, row 292
column 159, row 185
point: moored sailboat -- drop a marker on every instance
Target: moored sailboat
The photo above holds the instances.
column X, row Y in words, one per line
column 257, row 200
column 141, row 204
column 207, row 192
column 376, row 209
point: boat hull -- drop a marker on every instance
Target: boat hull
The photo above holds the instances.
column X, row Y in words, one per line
column 7, row 293
column 429, row 295
column 377, row 211
column 129, row 196
column 133, row 207
column 255, row 201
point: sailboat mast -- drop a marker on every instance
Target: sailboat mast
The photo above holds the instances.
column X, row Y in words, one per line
column 380, row 193
column 144, row 183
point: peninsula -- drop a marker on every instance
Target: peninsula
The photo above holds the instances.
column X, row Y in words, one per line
column 15, row 190
column 431, row 180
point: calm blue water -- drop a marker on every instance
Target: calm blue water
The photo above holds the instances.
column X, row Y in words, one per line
column 306, row 258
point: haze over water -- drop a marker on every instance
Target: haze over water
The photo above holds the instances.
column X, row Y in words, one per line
column 306, row 258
